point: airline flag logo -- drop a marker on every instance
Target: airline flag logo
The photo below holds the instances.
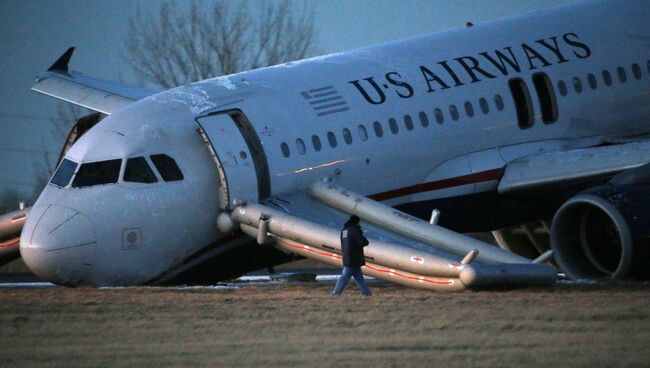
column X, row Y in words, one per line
column 325, row 100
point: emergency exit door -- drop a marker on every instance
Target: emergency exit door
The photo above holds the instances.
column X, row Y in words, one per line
column 236, row 150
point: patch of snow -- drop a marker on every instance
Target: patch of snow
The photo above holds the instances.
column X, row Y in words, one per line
column 225, row 82
column 577, row 282
column 26, row 285
column 195, row 98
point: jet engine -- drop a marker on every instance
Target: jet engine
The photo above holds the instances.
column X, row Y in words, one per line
column 604, row 232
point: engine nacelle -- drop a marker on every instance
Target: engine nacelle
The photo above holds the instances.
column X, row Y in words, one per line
column 604, row 233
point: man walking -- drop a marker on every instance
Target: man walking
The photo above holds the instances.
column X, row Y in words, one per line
column 352, row 243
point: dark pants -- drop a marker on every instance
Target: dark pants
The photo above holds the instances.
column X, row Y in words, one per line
column 345, row 279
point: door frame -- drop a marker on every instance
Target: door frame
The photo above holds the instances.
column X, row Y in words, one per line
column 255, row 148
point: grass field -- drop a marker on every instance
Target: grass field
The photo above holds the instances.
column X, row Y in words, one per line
column 299, row 325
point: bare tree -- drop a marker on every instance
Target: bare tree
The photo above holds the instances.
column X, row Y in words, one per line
column 9, row 200
column 65, row 118
column 196, row 43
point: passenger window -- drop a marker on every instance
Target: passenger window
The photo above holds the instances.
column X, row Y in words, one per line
column 591, row 79
column 315, row 141
column 363, row 133
column 169, row 170
column 300, row 145
column 546, row 96
column 440, row 118
column 379, row 131
column 454, row 112
column 485, row 108
column 408, row 122
column 469, row 109
column 561, row 87
column 621, row 74
column 577, row 85
column 332, row 139
column 424, row 119
column 523, row 104
column 285, row 149
column 64, row 173
column 607, row 78
column 498, row 101
column 392, row 124
column 347, row 136
column 97, row 173
column 636, row 71
column 138, row 171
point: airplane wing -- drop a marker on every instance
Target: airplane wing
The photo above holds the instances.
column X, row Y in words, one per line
column 403, row 249
column 99, row 95
column 572, row 166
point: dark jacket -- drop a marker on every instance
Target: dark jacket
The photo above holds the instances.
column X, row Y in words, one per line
column 352, row 243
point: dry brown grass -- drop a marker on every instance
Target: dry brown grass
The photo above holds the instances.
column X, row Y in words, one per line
column 295, row 325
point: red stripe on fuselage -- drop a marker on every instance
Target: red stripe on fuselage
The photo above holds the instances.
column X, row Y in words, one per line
column 494, row 174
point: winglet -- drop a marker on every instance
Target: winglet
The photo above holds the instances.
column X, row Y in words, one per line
column 61, row 65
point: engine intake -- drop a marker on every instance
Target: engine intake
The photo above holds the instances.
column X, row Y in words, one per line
column 604, row 233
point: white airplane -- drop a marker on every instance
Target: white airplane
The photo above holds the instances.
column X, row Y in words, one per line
column 543, row 116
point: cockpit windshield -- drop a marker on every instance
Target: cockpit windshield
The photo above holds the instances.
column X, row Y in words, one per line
column 167, row 167
column 97, row 173
column 64, row 173
column 138, row 171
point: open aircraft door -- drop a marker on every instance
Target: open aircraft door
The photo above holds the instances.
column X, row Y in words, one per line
column 239, row 156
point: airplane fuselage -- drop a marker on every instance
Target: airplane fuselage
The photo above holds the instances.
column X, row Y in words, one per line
column 408, row 122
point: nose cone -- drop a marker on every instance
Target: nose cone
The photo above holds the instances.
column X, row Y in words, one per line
column 59, row 244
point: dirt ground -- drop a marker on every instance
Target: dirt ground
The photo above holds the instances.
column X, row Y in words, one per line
column 299, row 325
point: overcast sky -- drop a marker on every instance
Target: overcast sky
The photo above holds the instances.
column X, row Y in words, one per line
column 34, row 33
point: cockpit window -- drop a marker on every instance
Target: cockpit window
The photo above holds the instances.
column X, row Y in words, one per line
column 167, row 167
column 97, row 173
column 64, row 173
column 138, row 171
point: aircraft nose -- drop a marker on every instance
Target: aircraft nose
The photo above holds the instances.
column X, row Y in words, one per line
column 59, row 244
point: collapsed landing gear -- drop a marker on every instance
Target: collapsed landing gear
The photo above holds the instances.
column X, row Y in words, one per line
column 531, row 239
